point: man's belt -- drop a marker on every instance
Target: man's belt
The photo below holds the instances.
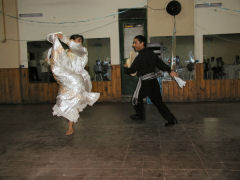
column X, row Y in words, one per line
column 149, row 76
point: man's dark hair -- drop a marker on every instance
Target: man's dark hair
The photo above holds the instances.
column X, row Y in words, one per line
column 75, row 36
column 141, row 39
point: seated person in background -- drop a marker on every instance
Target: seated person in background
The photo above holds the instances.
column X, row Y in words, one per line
column 33, row 72
column 220, row 70
column 205, row 68
column 105, row 67
column 214, row 67
column 97, row 68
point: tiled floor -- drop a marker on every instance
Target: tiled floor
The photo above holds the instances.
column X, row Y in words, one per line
column 108, row 145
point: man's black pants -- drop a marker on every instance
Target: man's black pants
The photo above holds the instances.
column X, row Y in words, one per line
column 151, row 89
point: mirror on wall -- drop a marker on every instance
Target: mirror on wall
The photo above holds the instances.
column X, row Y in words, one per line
column 38, row 69
column 221, row 56
column 185, row 62
column 99, row 60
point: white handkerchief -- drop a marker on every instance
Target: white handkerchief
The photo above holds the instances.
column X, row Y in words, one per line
column 180, row 82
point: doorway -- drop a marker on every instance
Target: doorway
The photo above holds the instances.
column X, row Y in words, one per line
column 131, row 23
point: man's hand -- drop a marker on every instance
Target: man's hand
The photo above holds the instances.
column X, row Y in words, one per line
column 173, row 74
column 125, row 65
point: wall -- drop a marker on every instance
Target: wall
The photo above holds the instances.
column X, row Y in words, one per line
column 54, row 11
column 214, row 21
column 10, row 86
column 194, row 21
column 9, row 49
column 160, row 23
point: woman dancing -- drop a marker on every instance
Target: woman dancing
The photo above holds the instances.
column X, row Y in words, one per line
column 74, row 81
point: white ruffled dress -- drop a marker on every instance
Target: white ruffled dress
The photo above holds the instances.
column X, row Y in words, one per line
column 74, row 81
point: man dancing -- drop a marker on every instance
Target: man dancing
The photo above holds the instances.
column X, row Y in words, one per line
column 145, row 65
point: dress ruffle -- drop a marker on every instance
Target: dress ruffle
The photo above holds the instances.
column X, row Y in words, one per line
column 72, row 114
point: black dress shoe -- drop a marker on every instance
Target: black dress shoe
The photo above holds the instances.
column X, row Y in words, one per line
column 137, row 117
column 171, row 123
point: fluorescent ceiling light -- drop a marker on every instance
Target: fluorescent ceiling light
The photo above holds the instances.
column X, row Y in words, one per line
column 31, row 15
column 208, row 5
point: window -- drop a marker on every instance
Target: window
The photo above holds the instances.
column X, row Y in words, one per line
column 38, row 69
column 221, row 56
column 99, row 59
column 184, row 61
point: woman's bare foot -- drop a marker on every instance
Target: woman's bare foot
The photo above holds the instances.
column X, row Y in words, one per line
column 69, row 132
column 70, row 128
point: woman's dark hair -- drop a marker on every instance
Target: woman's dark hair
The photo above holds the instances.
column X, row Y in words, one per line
column 141, row 39
column 75, row 36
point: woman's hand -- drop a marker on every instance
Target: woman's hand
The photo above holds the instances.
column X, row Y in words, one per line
column 60, row 36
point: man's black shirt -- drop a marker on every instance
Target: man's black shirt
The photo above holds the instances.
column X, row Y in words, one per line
column 146, row 62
